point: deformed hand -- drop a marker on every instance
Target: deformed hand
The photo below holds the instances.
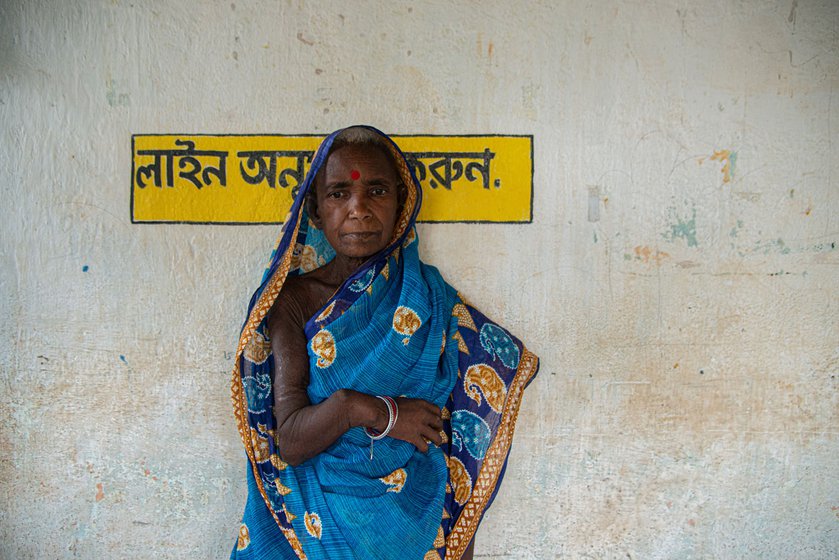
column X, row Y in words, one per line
column 419, row 423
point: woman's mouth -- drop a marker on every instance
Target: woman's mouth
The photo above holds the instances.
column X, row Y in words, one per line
column 361, row 235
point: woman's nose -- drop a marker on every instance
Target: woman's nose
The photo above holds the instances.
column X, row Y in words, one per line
column 360, row 206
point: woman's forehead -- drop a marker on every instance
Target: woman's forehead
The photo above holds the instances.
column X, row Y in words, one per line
column 359, row 159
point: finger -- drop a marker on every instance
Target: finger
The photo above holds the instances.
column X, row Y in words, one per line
column 435, row 410
column 434, row 437
column 436, row 423
column 429, row 406
column 421, row 445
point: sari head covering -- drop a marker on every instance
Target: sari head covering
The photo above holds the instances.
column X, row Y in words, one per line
column 395, row 328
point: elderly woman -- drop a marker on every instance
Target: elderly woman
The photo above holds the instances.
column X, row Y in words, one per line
column 376, row 406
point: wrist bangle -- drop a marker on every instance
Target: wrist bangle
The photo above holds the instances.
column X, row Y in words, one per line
column 392, row 415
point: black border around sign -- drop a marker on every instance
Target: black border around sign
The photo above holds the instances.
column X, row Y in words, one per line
column 312, row 135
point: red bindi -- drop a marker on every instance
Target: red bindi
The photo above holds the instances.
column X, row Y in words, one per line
column 355, row 175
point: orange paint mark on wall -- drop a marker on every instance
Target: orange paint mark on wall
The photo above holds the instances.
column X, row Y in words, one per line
column 728, row 159
column 100, row 492
column 646, row 255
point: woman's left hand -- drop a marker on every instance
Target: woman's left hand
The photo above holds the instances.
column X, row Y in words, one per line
column 419, row 422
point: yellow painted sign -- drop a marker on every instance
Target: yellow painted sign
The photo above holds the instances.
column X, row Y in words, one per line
column 217, row 179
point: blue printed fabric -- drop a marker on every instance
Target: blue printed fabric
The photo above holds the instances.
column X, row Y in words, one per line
column 396, row 328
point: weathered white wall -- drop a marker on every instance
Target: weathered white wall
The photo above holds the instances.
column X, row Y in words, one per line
column 688, row 326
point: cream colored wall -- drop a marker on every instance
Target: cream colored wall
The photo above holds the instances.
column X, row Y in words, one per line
column 687, row 402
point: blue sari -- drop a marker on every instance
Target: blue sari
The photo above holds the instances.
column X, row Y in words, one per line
column 395, row 327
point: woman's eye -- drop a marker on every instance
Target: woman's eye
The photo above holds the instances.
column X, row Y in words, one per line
column 335, row 194
column 379, row 191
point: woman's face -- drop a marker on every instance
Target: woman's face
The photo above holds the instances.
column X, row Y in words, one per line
column 357, row 200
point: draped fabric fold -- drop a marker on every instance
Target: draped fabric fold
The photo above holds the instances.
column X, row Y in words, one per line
column 396, row 328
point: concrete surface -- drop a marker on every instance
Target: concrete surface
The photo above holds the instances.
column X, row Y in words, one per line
column 679, row 279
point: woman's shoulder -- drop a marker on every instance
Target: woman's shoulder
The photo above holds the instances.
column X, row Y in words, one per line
column 299, row 299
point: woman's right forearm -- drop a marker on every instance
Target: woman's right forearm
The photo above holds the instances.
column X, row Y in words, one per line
column 305, row 431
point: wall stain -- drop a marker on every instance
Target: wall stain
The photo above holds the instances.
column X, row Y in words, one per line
column 683, row 229
column 729, row 160
column 649, row 255
column 593, row 203
column 780, row 246
column 147, row 471
column 791, row 17
column 100, row 492
column 114, row 98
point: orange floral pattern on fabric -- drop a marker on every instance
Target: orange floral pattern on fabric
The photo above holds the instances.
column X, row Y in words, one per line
column 323, row 346
column 313, row 526
column 396, row 480
column 406, row 322
column 482, row 378
column 244, row 538
column 258, row 349
column 460, row 480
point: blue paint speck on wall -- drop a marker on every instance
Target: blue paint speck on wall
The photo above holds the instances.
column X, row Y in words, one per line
column 85, row 268
column 121, row 357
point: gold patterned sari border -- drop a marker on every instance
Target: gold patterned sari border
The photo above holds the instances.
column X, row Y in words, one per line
column 467, row 523
column 263, row 305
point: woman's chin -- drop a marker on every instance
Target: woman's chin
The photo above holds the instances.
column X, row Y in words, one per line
column 360, row 250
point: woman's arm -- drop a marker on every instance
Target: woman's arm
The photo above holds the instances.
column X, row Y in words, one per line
column 303, row 429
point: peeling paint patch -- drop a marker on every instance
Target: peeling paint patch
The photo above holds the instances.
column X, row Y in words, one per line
column 594, row 203
column 684, row 229
column 780, row 246
column 648, row 255
column 116, row 99
column 767, row 247
column 729, row 160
